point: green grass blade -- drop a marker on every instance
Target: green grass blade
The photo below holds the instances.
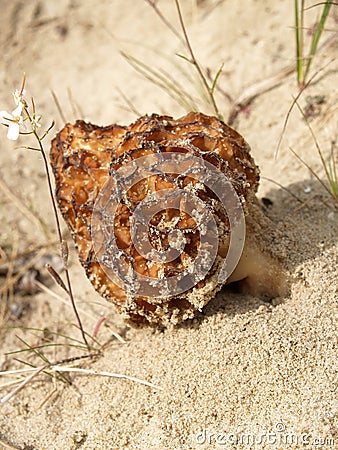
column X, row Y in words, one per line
column 33, row 350
column 37, row 347
column 214, row 83
column 164, row 81
column 317, row 35
column 43, row 357
column 47, row 330
column 332, row 168
column 299, row 43
column 59, row 376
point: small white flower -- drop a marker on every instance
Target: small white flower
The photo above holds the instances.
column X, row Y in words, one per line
column 13, row 121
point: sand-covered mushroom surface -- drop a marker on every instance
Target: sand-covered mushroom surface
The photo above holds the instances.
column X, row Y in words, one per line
column 256, row 367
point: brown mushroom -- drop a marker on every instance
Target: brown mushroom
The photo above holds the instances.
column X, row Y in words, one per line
column 88, row 161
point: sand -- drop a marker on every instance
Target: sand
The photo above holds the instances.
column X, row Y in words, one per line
column 246, row 372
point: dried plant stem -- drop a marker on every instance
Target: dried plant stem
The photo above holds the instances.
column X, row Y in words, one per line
column 57, row 367
column 23, row 383
column 36, row 371
column 68, row 282
column 58, row 227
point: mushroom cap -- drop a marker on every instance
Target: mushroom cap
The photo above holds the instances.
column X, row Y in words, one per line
column 86, row 160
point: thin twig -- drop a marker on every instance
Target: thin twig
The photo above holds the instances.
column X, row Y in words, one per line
column 256, row 89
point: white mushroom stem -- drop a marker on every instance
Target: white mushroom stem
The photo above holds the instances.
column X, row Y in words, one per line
column 260, row 273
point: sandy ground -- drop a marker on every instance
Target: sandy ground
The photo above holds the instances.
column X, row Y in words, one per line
column 245, row 373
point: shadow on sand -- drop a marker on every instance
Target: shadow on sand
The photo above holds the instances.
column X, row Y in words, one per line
column 306, row 221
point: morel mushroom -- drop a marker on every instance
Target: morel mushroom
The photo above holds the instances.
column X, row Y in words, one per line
column 107, row 176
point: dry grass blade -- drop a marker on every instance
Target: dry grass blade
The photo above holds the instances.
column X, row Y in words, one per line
column 105, row 374
column 58, row 107
column 23, row 383
column 330, row 166
column 256, row 89
column 294, row 102
column 46, row 369
column 44, row 346
column 82, row 311
column 130, row 105
column 32, row 217
column 76, row 108
column 56, row 277
column 283, row 188
column 310, row 169
column 50, row 333
column 53, row 368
